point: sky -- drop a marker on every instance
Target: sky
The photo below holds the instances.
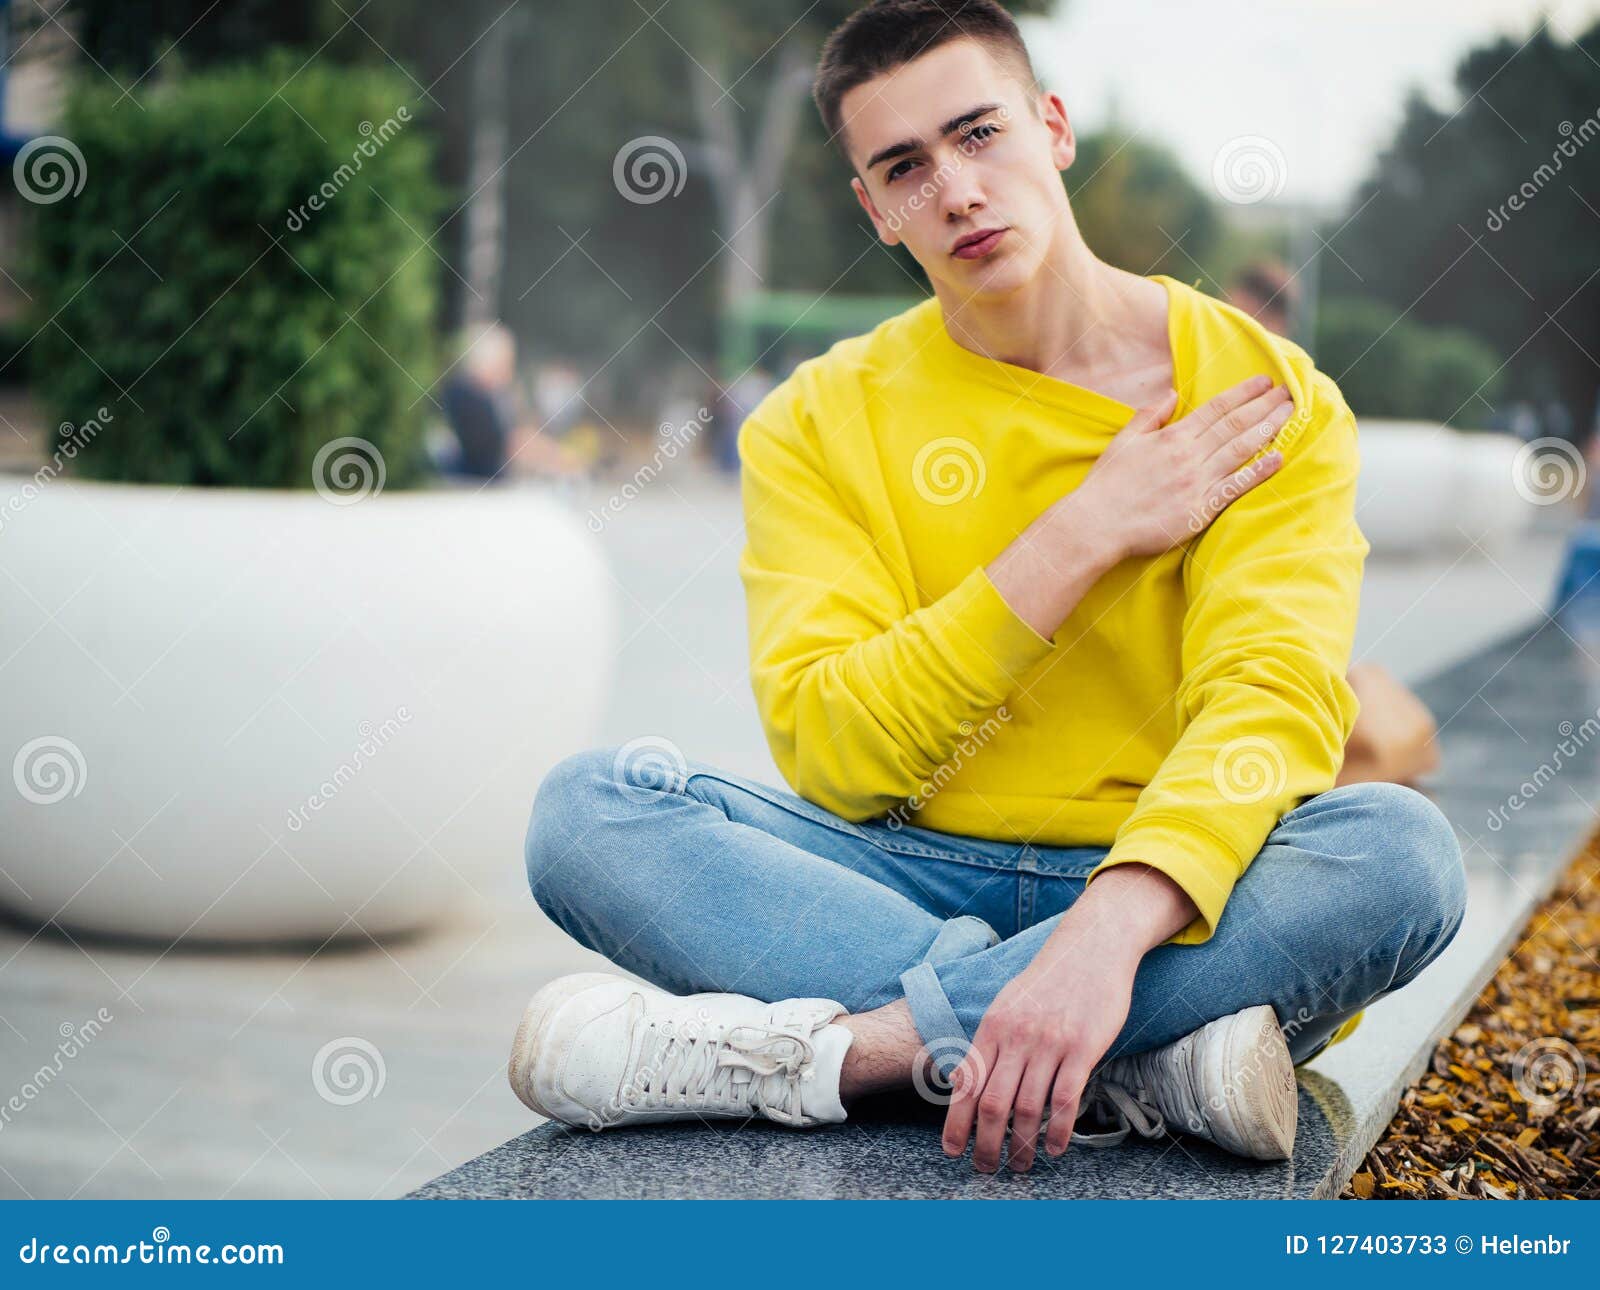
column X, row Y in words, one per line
column 1324, row 81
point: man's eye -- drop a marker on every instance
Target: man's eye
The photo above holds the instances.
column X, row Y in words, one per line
column 981, row 132
column 895, row 171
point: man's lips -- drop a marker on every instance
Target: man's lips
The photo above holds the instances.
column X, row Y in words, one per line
column 977, row 245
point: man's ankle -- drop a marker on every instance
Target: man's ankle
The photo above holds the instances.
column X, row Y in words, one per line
column 884, row 1054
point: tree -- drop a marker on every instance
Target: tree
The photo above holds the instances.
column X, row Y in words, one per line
column 1486, row 217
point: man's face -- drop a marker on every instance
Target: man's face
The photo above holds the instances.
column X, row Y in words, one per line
column 951, row 146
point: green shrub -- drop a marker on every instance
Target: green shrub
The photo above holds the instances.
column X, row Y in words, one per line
column 1389, row 366
column 194, row 286
column 14, row 338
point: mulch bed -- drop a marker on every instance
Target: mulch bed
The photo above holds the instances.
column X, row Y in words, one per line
column 1510, row 1108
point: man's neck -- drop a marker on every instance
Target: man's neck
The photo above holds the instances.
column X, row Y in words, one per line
column 1079, row 320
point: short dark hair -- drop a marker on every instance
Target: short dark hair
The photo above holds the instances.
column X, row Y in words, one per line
column 888, row 33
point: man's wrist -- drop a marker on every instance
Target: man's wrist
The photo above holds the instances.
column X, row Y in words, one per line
column 1082, row 536
column 1127, row 911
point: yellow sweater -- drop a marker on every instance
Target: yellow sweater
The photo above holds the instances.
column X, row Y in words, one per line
column 1187, row 703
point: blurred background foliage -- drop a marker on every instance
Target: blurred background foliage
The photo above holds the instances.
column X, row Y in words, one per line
column 215, row 347
column 1441, row 312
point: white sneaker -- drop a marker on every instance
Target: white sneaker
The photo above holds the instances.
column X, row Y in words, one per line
column 599, row 1050
column 1231, row 1082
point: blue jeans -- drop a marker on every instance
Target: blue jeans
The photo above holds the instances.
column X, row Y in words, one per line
column 699, row 880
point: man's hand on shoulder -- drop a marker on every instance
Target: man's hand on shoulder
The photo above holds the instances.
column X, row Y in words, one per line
column 1049, row 1027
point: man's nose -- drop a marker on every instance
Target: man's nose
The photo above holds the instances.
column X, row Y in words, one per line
column 961, row 194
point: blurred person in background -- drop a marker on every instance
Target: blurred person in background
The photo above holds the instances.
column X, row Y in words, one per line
column 493, row 440
column 1265, row 289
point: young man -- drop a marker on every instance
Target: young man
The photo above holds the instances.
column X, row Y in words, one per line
column 1055, row 660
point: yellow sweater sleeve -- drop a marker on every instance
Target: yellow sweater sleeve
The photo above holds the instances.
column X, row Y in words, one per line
column 1264, row 707
column 862, row 695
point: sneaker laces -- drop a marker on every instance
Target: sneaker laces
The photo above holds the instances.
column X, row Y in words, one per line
column 1107, row 1101
column 752, row 1068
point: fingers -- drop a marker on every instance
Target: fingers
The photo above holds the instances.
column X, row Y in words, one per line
column 966, row 1083
column 994, row 1111
column 1230, row 400
column 1032, row 1095
column 1234, row 486
column 1245, row 420
column 1154, row 415
column 1068, row 1092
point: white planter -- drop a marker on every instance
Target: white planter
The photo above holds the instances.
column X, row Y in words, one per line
column 1429, row 488
column 251, row 715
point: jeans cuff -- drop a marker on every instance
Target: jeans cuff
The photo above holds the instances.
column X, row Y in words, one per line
column 945, row 1038
column 959, row 937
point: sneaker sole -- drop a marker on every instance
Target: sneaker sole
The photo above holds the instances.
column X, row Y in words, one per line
column 1271, row 1098
column 540, row 1009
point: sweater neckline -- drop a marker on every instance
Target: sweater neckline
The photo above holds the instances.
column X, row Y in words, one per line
column 1025, row 383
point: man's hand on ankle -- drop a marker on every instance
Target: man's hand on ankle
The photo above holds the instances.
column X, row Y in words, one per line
column 1049, row 1027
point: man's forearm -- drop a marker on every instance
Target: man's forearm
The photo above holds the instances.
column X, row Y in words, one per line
column 1127, row 911
column 1052, row 564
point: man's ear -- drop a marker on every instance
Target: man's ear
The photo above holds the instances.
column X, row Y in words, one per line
column 1063, row 144
column 886, row 233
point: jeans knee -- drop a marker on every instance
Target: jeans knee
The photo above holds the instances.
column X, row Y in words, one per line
column 1426, row 877
column 569, row 800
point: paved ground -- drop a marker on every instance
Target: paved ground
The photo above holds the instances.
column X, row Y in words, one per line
column 203, row 1084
